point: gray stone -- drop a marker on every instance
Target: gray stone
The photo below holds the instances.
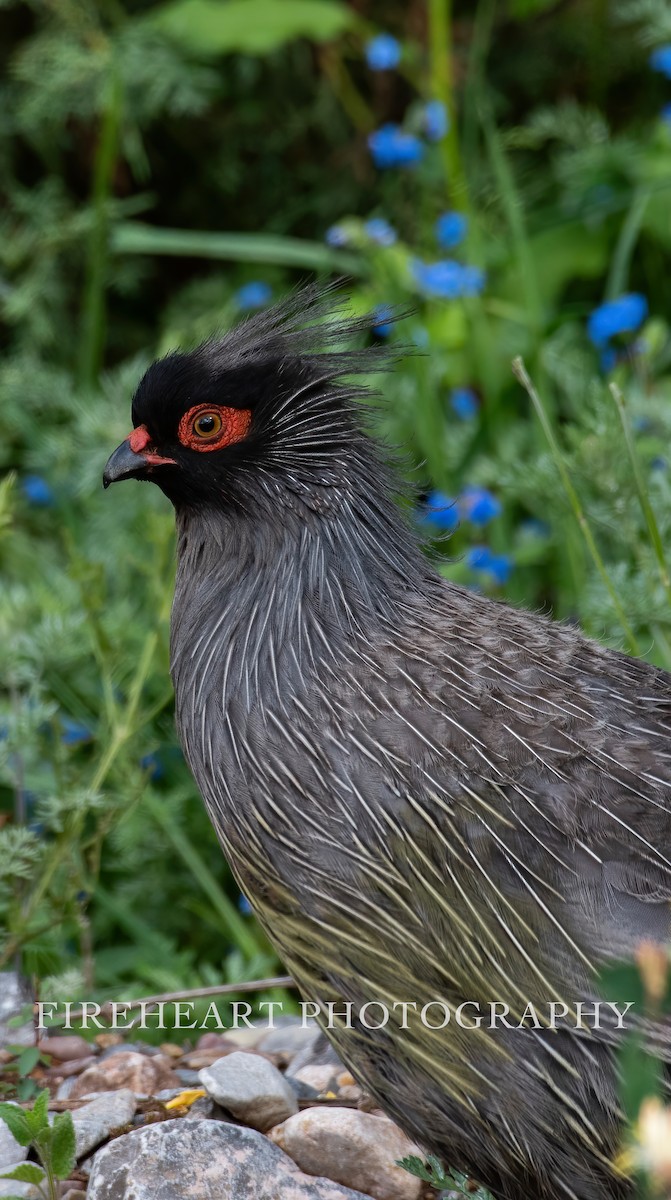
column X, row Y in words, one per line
column 354, row 1148
column 95, row 1121
column 10, row 1152
column 250, row 1088
column 318, row 1053
column 289, row 1040
column 15, row 994
column 11, row 1187
column 64, row 1090
column 245, row 1037
column 202, row 1160
column 320, row 1079
column 187, row 1078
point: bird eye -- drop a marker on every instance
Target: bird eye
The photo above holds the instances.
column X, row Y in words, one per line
column 207, row 424
column 213, row 427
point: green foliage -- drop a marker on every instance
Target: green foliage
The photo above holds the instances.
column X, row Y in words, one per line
column 432, row 1172
column 158, row 156
column 210, row 28
column 54, row 1144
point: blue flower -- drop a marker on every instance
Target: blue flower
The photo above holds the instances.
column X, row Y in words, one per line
column 479, row 505
column 153, row 765
column 391, row 146
column 441, row 511
column 74, row 733
column 336, row 235
column 447, row 279
column 451, row 229
column 253, row 295
column 435, row 121
column 463, row 402
column 37, row 491
column 384, row 322
column 499, row 566
column 244, row 906
column 665, row 114
column 443, row 279
column 380, row 231
column 623, row 315
column 383, row 52
column 660, row 60
column 659, row 463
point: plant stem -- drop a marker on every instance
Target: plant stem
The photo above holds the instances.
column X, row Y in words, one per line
column 646, row 507
column 442, row 88
column 93, row 317
column 520, row 373
column 631, row 227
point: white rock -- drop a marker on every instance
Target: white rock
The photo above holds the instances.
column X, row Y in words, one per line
column 10, row 1152
column 250, row 1088
column 354, row 1148
column 95, row 1121
column 202, row 1160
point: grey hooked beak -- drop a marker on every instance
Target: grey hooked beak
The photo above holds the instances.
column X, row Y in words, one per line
column 134, row 458
column 124, row 463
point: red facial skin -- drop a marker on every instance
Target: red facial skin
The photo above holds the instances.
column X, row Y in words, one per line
column 235, row 424
column 139, row 440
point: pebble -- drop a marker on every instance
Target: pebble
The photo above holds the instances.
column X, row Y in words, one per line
column 353, row 1148
column 95, row 1121
column 126, row 1069
column 317, row 1053
column 64, row 1089
column 66, row 1048
column 63, row 1070
column 11, row 1153
column 204, row 1058
column 202, row 1160
column 11, row 1187
column 288, row 1040
column 188, row 1077
column 250, row 1088
column 244, row 1038
column 15, row 994
column 213, row 1041
column 320, row 1079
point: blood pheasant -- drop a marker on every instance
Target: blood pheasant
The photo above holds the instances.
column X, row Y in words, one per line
column 427, row 795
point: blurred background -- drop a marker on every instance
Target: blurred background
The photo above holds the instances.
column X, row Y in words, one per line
column 500, row 169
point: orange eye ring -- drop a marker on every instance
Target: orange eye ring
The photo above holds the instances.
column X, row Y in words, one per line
column 213, row 426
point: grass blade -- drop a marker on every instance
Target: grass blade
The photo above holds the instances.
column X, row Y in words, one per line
column 520, row 373
column 134, row 237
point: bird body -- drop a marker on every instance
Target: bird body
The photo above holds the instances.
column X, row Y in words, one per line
column 427, row 796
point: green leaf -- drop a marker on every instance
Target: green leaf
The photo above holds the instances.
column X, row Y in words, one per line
column 63, row 1148
column 17, row 1123
column 213, row 27
column 26, row 1173
column 38, row 1116
column 26, row 1089
column 28, row 1058
column 133, row 237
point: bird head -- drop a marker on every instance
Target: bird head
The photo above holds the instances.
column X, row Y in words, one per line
column 269, row 407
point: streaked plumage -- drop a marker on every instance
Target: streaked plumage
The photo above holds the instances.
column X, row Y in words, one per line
column 425, row 794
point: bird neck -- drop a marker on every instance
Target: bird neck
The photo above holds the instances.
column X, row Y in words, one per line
column 308, row 578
